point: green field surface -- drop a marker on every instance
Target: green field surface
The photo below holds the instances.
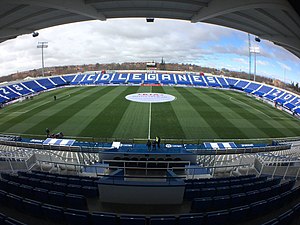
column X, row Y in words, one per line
column 103, row 112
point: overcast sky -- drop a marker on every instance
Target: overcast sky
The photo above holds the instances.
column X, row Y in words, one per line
column 132, row 40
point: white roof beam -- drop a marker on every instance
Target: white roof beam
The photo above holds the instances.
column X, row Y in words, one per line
column 73, row 6
column 221, row 7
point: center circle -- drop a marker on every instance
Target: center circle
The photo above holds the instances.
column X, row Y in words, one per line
column 150, row 97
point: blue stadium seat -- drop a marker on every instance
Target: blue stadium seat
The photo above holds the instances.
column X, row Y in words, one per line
column 218, row 217
column 239, row 214
column 12, row 221
column 221, row 202
column 223, row 190
column 286, row 217
column 132, row 220
column 191, row 193
column 90, row 192
column 26, row 191
column 192, row 219
column 76, row 201
column 202, row 204
column 168, row 220
column 74, row 189
column 32, row 207
column 60, row 187
column 258, row 208
column 238, row 199
column 46, row 184
column 103, row 218
column 235, row 189
column 57, row 198
column 2, row 218
column 272, row 222
column 77, row 217
column 53, row 213
column 15, row 202
column 208, row 192
column 3, row 197
column 41, row 195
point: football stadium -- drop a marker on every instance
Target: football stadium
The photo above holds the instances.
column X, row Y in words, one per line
column 150, row 147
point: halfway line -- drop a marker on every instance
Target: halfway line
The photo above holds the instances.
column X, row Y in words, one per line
column 149, row 120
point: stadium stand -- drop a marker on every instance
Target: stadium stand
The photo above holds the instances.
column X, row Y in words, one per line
column 224, row 205
column 284, row 98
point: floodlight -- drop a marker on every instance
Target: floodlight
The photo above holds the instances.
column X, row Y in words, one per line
column 35, row 34
column 150, row 20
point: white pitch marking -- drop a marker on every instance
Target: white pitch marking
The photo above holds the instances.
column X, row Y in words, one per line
column 150, row 111
column 231, row 98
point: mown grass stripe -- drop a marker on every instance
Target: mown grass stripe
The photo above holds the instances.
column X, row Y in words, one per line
column 29, row 104
column 164, row 121
column 55, row 119
column 192, row 123
column 32, row 113
column 215, row 115
column 243, row 110
column 106, row 122
column 134, row 122
column 234, row 113
column 78, row 122
column 284, row 119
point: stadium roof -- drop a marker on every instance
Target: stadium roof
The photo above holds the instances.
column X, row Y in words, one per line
column 274, row 20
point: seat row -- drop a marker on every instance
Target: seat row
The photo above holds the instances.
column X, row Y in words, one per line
column 65, row 175
column 43, row 195
column 221, row 183
column 70, row 216
column 5, row 220
column 227, row 190
column 87, row 191
column 286, row 218
column 84, row 181
column 235, row 200
column 218, row 179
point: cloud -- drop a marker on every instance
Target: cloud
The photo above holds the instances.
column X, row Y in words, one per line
column 284, row 66
column 128, row 40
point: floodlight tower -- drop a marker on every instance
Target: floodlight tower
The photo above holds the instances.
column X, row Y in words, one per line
column 255, row 50
column 42, row 45
column 249, row 47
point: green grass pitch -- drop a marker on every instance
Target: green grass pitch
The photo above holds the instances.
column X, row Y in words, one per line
column 103, row 112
